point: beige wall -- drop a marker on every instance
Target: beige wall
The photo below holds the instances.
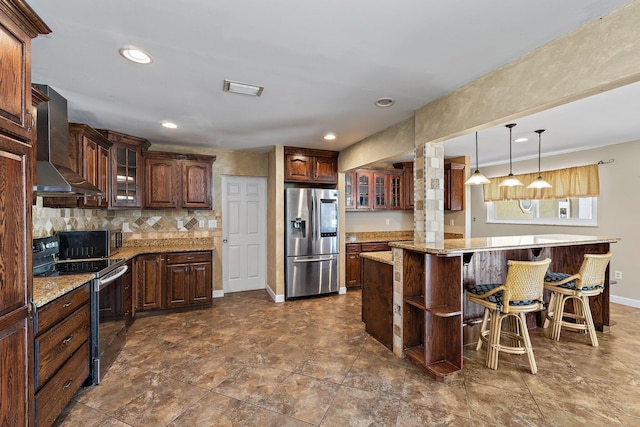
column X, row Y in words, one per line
column 618, row 207
column 377, row 221
column 275, row 221
column 394, row 141
column 601, row 55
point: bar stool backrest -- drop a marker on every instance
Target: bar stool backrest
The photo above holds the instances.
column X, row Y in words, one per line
column 525, row 280
column 592, row 270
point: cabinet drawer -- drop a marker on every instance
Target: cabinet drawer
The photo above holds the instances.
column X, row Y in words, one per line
column 60, row 308
column 375, row 247
column 55, row 346
column 188, row 257
column 54, row 396
column 353, row 248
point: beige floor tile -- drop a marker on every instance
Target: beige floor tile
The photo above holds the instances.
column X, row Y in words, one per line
column 420, row 416
column 503, row 407
column 353, row 407
column 215, row 410
column 265, row 418
column 77, row 414
column 252, row 384
column 571, row 415
column 449, row 398
column 301, row 397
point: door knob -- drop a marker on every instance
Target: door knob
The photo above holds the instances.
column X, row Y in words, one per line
column 224, row 240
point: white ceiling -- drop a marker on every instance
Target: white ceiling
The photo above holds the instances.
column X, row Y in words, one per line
column 323, row 64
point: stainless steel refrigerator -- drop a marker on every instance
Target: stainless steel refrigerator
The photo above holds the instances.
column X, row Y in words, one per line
column 311, row 224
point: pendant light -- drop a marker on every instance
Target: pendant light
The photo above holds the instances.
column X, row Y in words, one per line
column 477, row 178
column 510, row 181
column 539, row 182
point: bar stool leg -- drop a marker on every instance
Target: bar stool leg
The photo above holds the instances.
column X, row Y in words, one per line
column 557, row 317
column 527, row 343
column 494, row 340
column 550, row 310
column 483, row 328
column 589, row 321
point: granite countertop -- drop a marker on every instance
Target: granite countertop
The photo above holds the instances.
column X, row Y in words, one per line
column 46, row 289
column 378, row 236
column 479, row 244
column 385, row 257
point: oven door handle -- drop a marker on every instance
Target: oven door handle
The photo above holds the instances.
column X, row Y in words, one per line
column 101, row 283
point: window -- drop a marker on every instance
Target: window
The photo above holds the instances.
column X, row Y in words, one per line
column 579, row 211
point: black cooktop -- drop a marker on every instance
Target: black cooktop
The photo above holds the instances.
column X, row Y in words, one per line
column 62, row 268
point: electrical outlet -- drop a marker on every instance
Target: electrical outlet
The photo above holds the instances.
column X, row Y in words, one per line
column 617, row 275
column 452, row 222
column 213, row 223
column 387, row 221
column 201, row 223
column 180, row 223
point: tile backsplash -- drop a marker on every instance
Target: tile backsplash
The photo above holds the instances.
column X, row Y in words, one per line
column 134, row 223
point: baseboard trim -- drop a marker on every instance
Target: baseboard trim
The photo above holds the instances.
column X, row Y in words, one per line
column 625, row 301
column 218, row 294
column 342, row 290
column 274, row 297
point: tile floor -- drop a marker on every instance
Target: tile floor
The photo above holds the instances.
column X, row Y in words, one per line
column 249, row 362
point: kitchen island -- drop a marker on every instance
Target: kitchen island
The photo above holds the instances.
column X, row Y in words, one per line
column 430, row 280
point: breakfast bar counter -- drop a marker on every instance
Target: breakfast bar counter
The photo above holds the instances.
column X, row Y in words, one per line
column 433, row 319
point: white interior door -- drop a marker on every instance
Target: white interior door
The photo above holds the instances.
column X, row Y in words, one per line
column 244, row 234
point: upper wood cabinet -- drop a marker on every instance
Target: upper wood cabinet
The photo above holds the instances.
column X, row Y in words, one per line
column 396, row 191
column 407, row 182
column 91, row 151
column 177, row 180
column 380, row 189
column 18, row 25
column 126, row 169
column 364, row 189
column 376, row 189
column 311, row 166
column 349, row 190
column 453, row 186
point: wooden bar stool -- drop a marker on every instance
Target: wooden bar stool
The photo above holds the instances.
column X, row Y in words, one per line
column 520, row 294
column 579, row 287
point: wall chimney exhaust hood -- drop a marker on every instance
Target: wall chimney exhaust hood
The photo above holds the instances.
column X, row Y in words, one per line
column 54, row 176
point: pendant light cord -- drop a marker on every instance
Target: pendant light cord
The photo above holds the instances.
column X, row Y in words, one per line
column 510, row 126
column 539, row 132
column 477, row 167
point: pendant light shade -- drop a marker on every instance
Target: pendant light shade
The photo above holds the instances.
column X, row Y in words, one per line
column 477, row 178
column 510, row 181
column 539, row 182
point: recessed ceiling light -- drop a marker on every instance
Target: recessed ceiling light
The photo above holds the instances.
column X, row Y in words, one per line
column 384, row 102
column 242, row 88
column 136, row 55
column 330, row 136
column 169, row 125
column 523, row 139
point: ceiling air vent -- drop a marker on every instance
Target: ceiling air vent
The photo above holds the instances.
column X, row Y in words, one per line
column 242, row 88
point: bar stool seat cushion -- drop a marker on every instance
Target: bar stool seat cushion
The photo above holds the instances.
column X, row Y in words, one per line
column 498, row 297
column 552, row 277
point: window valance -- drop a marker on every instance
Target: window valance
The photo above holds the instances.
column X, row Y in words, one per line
column 580, row 181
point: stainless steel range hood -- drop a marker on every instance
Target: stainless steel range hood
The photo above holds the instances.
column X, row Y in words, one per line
column 54, row 176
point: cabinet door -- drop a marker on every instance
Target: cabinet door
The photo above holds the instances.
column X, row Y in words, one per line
column 103, row 176
column 177, row 285
column 89, row 169
column 364, row 191
column 380, row 191
column 125, row 186
column 408, row 188
column 396, row 191
column 349, row 190
column 196, row 184
column 353, row 270
column 15, row 280
column 298, row 168
column 162, row 185
column 15, row 80
column 325, row 169
column 453, row 186
column 200, row 288
column 149, row 282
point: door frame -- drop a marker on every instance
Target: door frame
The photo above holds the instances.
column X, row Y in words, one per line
column 263, row 217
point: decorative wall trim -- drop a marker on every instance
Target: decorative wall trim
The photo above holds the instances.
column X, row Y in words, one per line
column 625, row 301
column 274, row 297
column 218, row 294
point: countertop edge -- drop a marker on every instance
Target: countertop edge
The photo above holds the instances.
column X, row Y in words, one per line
column 385, row 257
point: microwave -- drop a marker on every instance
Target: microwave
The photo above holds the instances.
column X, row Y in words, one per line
column 89, row 244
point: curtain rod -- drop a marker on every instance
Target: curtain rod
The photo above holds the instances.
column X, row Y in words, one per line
column 603, row 162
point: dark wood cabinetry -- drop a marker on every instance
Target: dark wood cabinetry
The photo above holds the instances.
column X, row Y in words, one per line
column 350, row 190
column 454, row 186
column 310, row 166
column 353, row 268
column 92, row 162
column 407, row 182
column 377, row 300
column 396, row 191
column 177, row 181
column 173, row 280
column 363, row 190
column 18, row 25
column 378, row 189
column 126, row 169
column 61, row 353
column 188, row 279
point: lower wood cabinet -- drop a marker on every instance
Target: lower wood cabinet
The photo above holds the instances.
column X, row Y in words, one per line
column 353, row 268
column 377, row 301
column 61, row 353
column 173, row 280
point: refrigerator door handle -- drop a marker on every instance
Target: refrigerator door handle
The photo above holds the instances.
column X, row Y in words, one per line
column 314, row 259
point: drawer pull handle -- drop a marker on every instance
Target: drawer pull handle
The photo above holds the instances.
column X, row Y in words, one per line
column 67, row 340
column 68, row 304
column 68, row 384
column 189, row 257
